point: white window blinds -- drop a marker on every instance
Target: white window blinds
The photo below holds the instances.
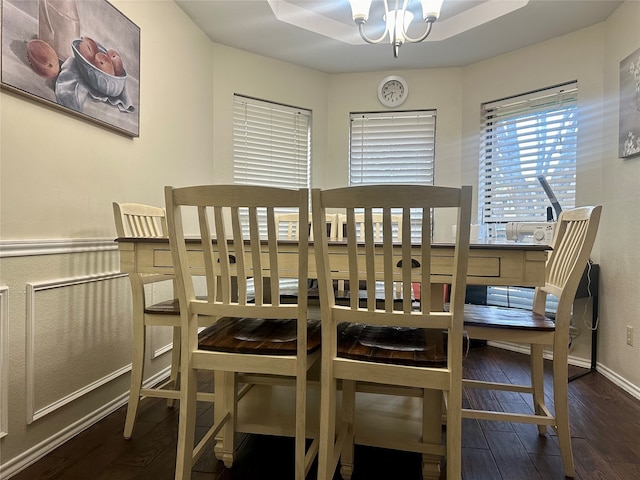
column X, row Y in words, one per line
column 271, row 144
column 523, row 137
column 392, row 147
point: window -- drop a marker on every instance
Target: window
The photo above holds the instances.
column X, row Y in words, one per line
column 392, row 147
column 523, row 137
column 271, row 147
column 271, row 144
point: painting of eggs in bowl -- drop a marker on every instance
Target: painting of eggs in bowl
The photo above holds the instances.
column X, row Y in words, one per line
column 100, row 68
column 80, row 56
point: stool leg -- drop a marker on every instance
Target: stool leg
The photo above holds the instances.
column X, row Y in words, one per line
column 137, row 367
column 561, row 405
column 175, row 364
column 348, row 418
column 537, row 382
column 186, row 425
column 432, row 402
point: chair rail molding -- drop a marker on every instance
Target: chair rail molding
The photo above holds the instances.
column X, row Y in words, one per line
column 24, row 248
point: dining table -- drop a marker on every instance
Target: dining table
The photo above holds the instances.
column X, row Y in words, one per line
column 496, row 263
column 382, row 420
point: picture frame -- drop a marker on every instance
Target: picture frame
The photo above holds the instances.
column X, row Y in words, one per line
column 629, row 130
column 41, row 59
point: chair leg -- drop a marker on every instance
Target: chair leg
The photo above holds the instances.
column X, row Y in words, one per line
column 454, row 434
column 174, row 378
column 537, row 382
column 326, row 448
column 137, row 368
column 225, row 385
column 186, row 424
column 561, row 404
column 431, row 431
column 348, row 419
column 301, row 425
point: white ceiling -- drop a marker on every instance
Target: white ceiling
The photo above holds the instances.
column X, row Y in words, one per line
column 320, row 34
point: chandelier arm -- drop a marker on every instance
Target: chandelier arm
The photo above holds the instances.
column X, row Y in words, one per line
column 366, row 37
column 423, row 36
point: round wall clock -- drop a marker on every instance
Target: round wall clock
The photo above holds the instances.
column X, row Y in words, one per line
column 393, row 91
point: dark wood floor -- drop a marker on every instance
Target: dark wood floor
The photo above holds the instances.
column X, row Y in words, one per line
column 605, row 425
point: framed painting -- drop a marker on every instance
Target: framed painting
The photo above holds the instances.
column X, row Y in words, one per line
column 82, row 56
column 629, row 133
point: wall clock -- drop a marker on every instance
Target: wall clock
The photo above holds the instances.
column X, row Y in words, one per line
column 393, row 91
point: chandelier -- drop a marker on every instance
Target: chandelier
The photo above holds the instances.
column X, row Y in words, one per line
column 397, row 20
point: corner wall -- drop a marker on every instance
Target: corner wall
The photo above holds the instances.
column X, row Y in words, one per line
column 620, row 225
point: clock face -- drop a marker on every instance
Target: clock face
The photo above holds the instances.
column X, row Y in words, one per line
column 392, row 91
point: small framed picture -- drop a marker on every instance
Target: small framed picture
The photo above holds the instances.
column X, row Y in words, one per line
column 82, row 56
column 629, row 133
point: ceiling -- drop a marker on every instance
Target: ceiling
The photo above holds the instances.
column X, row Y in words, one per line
column 320, row 34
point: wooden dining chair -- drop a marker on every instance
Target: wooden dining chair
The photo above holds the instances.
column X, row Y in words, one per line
column 241, row 253
column 376, row 218
column 138, row 220
column 574, row 236
column 396, row 225
column 390, row 347
column 288, row 226
column 148, row 221
column 290, row 222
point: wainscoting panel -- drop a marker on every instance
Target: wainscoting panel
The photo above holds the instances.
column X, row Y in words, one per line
column 4, row 361
column 78, row 338
column 160, row 341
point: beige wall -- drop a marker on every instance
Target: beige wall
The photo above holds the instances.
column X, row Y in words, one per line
column 61, row 173
column 620, row 228
column 56, row 193
column 239, row 72
column 439, row 89
column 532, row 68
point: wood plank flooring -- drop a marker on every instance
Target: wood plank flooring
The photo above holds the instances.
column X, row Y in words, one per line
column 605, row 423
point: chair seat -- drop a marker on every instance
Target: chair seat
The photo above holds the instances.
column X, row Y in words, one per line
column 168, row 307
column 258, row 336
column 397, row 345
column 512, row 318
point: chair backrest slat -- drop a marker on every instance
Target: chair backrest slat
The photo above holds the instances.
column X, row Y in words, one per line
column 378, row 224
column 377, row 258
column 291, row 224
column 238, row 232
column 139, row 220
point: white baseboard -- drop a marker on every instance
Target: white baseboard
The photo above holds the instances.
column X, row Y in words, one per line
column 610, row 375
column 619, row 381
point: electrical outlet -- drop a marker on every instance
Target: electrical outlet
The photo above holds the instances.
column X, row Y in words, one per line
column 630, row 335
